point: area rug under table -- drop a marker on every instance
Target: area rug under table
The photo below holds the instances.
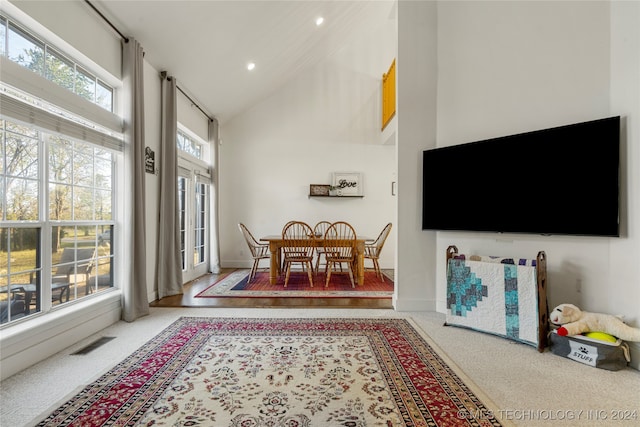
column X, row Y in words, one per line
column 236, row 284
column 280, row 372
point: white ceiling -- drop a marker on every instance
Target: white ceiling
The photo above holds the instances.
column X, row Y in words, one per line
column 207, row 44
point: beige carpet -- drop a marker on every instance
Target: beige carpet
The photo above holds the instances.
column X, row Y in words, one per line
column 528, row 388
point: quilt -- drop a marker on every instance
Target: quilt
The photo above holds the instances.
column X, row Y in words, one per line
column 494, row 295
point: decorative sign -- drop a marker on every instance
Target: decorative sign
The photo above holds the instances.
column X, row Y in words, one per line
column 348, row 183
column 149, row 160
column 319, row 190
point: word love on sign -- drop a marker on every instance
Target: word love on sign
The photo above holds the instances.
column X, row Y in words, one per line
column 348, row 183
column 343, row 183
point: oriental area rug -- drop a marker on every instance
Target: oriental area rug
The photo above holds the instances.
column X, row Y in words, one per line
column 236, row 285
column 280, row 372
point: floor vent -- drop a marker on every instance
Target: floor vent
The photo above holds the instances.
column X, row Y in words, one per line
column 97, row 343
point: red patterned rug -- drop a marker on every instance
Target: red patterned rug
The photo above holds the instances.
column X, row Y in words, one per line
column 235, row 285
column 280, row 372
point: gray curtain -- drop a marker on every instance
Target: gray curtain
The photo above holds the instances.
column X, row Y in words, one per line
column 214, row 246
column 169, row 264
column 135, row 302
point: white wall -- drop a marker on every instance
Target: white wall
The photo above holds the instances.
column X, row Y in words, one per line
column 622, row 286
column 417, row 95
column 327, row 120
column 508, row 67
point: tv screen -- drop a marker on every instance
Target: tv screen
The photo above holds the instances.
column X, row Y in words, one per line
column 558, row 181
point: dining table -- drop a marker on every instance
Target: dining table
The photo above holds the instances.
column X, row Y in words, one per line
column 276, row 242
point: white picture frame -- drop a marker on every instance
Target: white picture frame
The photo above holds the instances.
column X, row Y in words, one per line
column 348, row 183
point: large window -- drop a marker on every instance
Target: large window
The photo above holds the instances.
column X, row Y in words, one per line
column 68, row 226
column 57, row 174
column 24, row 48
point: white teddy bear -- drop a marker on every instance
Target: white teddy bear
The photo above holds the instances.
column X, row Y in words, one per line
column 573, row 321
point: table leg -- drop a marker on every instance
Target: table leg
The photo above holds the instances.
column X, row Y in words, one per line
column 360, row 265
column 274, row 263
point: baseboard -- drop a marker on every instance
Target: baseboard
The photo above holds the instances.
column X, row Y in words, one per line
column 413, row 304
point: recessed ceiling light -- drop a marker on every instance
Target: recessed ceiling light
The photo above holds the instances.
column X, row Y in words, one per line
column 251, row 66
column 319, row 20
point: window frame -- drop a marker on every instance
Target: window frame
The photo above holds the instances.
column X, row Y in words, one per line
column 94, row 119
column 44, row 225
column 9, row 24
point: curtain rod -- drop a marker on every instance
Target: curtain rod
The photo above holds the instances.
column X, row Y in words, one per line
column 165, row 75
column 194, row 103
column 126, row 39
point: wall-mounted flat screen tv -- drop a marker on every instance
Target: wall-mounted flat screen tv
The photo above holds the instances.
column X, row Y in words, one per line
column 558, row 181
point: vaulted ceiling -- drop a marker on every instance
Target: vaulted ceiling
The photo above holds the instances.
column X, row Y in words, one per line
column 207, row 44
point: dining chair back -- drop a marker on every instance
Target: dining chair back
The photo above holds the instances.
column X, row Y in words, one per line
column 298, row 243
column 258, row 250
column 373, row 249
column 340, row 248
column 319, row 230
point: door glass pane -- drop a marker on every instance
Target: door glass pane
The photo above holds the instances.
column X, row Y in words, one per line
column 200, row 223
column 182, row 194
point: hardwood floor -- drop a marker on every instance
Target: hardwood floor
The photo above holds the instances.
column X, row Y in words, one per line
column 193, row 288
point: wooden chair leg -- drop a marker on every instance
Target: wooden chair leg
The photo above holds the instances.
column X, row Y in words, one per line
column 310, row 273
column 351, row 275
column 377, row 268
column 254, row 268
column 287, row 272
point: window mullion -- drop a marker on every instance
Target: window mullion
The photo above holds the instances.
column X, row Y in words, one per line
column 45, row 238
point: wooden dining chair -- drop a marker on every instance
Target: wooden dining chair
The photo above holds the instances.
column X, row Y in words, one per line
column 258, row 250
column 298, row 245
column 319, row 230
column 372, row 249
column 340, row 248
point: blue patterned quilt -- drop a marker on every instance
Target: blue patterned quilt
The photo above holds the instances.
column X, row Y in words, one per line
column 494, row 295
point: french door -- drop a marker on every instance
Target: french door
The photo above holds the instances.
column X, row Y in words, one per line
column 193, row 204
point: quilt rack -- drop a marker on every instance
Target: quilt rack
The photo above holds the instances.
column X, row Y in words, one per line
column 506, row 297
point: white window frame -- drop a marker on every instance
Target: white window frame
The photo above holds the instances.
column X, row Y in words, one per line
column 67, row 104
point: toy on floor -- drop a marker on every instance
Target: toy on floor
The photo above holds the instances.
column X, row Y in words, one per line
column 600, row 336
column 573, row 321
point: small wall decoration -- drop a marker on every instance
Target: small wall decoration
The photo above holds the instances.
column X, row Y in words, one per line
column 319, row 189
column 348, row 183
column 149, row 160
